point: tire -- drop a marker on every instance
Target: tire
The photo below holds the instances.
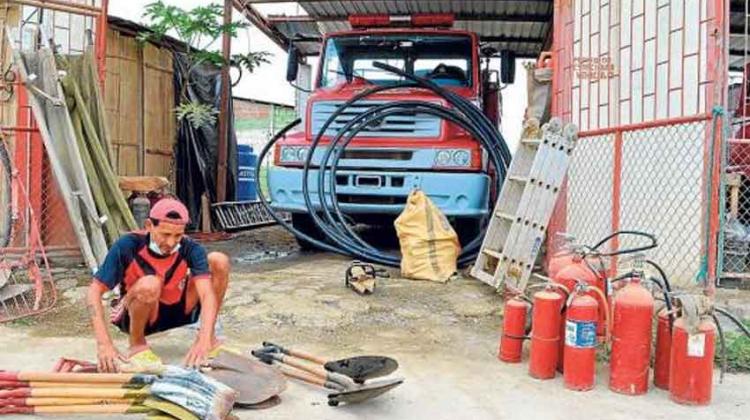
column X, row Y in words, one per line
column 305, row 224
column 467, row 229
column 6, row 219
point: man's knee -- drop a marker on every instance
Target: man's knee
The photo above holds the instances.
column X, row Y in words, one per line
column 146, row 289
column 218, row 263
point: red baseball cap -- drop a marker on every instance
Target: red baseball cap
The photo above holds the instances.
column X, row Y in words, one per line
column 170, row 210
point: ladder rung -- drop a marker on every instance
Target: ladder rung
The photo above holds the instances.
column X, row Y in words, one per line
column 531, row 142
column 518, row 178
column 492, row 253
column 507, row 216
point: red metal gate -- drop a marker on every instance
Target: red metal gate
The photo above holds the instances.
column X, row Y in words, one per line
column 68, row 24
column 641, row 79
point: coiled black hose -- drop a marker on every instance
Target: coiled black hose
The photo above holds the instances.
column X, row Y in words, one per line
column 331, row 221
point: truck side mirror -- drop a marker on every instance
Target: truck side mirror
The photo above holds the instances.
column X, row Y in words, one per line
column 507, row 66
column 292, row 63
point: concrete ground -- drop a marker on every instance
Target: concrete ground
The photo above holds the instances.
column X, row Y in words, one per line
column 444, row 337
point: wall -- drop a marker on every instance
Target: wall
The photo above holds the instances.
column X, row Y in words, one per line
column 139, row 100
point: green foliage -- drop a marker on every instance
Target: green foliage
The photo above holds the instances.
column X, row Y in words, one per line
column 738, row 351
column 199, row 115
column 251, row 60
column 198, row 28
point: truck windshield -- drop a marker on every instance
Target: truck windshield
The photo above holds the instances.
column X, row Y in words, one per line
column 444, row 59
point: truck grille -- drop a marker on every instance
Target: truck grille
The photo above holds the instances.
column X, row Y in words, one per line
column 405, row 124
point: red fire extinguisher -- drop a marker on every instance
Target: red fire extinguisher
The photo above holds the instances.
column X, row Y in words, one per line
column 582, row 317
column 514, row 330
column 663, row 350
column 581, row 271
column 545, row 333
column 633, row 308
column 692, row 362
column 565, row 250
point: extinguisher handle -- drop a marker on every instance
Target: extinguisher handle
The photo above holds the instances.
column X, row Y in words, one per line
column 607, row 313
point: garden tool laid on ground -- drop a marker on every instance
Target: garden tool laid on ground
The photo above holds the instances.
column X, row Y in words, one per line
column 343, row 388
column 257, row 384
column 360, row 277
column 358, row 368
column 202, row 396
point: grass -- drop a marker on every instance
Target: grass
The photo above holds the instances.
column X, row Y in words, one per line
column 738, row 351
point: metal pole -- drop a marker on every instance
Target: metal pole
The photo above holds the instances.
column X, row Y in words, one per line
column 221, row 167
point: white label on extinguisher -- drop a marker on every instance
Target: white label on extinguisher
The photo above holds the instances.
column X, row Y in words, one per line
column 580, row 334
column 696, row 345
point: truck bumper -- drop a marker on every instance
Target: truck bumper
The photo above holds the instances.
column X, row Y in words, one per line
column 373, row 192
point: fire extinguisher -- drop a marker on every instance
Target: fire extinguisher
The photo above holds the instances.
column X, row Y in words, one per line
column 545, row 333
column 514, row 330
column 632, row 319
column 579, row 270
column 663, row 350
column 692, row 362
column 588, row 265
column 582, row 317
column 565, row 249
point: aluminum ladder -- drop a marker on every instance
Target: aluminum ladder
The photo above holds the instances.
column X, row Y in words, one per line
column 519, row 221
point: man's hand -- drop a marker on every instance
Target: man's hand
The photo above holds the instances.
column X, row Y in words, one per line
column 108, row 358
column 198, row 353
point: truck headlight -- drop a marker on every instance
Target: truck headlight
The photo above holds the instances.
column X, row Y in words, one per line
column 443, row 158
column 461, row 158
column 293, row 154
column 453, row 158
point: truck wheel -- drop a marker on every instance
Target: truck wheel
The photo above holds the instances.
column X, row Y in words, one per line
column 467, row 229
column 305, row 224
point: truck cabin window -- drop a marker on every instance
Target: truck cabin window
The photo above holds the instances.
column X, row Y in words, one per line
column 444, row 59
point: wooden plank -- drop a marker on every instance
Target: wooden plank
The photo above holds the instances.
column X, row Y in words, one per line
column 127, row 160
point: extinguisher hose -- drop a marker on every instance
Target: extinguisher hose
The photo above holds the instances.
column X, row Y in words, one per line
column 668, row 302
column 734, row 319
column 661, row 274
column 607, row 314
column 723, row 345
column 606, row 239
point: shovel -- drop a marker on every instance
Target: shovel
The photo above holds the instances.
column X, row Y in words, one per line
column 358, row 368
column 257, row 384
column 344, row 388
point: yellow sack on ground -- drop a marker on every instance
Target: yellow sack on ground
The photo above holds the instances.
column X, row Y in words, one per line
column 429, row 245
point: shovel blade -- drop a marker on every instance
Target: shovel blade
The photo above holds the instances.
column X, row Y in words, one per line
column 362, row 368
column 364, row 393
column 255, row 382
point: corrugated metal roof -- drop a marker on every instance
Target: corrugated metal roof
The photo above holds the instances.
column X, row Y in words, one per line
column 522, row 26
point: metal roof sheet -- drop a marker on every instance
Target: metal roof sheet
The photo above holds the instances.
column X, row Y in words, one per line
column 522, row 26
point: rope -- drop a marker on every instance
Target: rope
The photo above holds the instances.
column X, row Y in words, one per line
column 718, row 115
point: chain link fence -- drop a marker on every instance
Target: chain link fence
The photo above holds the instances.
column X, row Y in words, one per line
column 647, row 179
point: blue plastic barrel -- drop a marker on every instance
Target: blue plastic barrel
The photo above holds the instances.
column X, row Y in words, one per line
column 247, row 185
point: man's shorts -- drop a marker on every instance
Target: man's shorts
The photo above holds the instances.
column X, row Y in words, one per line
column 168, row 317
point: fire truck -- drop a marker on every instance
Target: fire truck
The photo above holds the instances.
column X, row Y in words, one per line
column 392, row 156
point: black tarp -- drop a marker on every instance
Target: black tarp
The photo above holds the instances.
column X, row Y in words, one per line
column 196, row 151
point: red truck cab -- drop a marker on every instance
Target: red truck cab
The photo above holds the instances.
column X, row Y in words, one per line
column 392, row 156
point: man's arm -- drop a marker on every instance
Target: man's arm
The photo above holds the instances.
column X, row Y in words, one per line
column 198, row 352
column 107, row 354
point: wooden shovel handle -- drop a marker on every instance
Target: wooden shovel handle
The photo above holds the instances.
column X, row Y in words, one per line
column 34, row 384
column 302, row 376
column 315, row 370
column 119, row 378
column 92, row 409
column 307, row 356
column 48, row 401
column 297, row 353
column 106, row 393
